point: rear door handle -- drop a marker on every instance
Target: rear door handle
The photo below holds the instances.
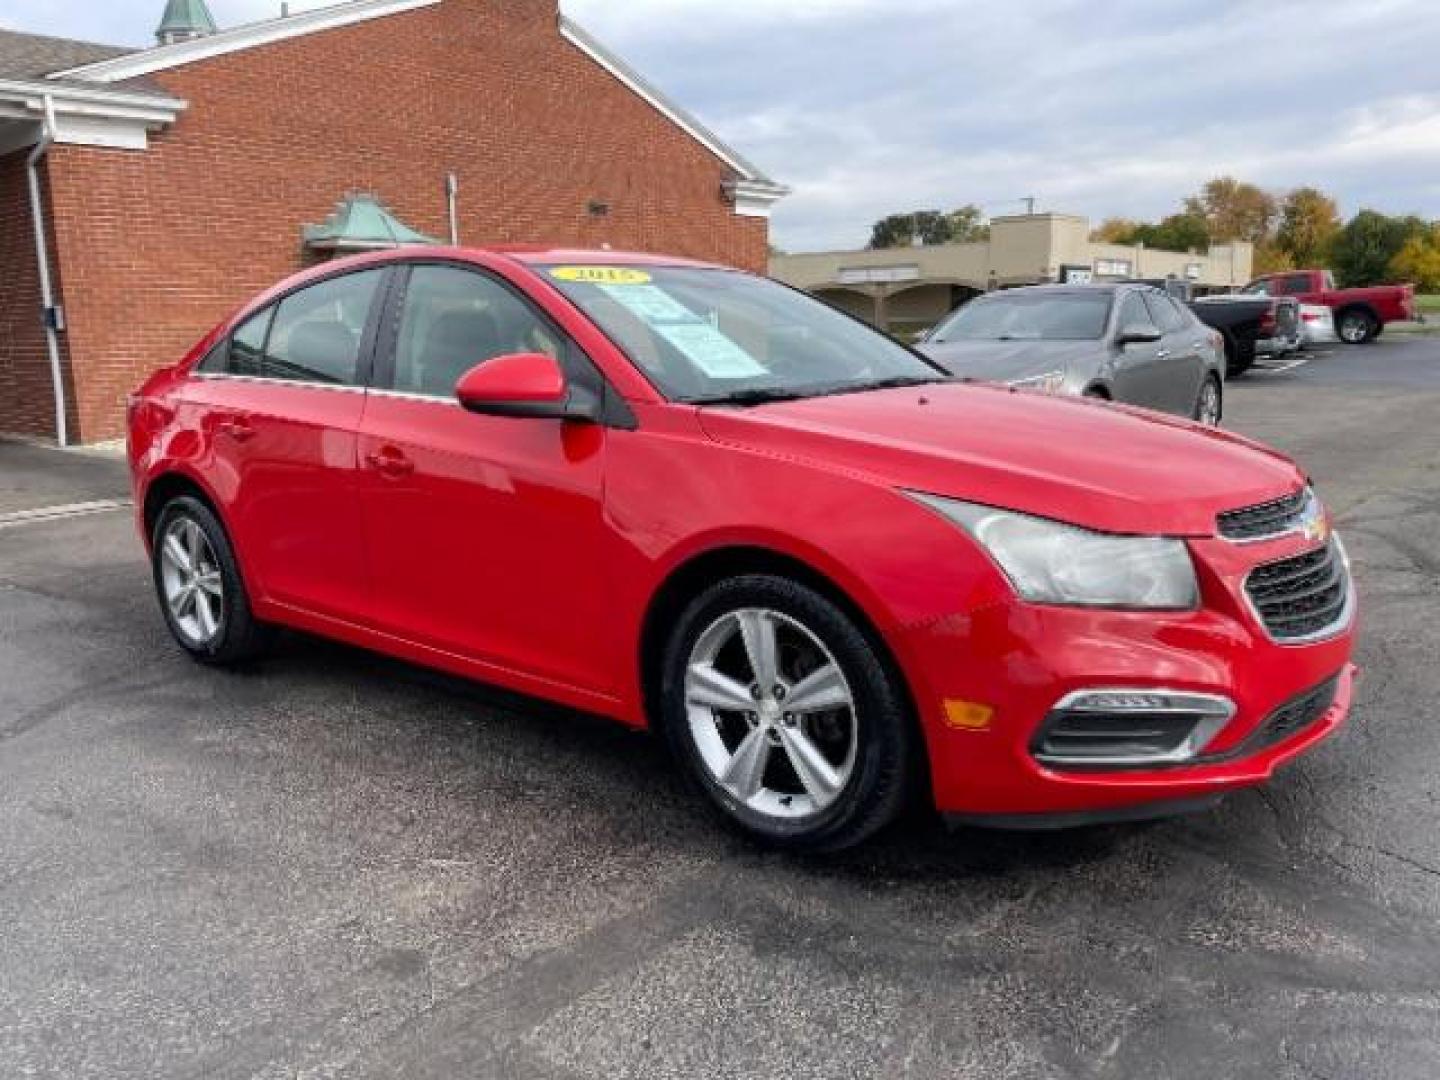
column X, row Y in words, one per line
column 1161, row 354
column 390, row 461
column 237, row 428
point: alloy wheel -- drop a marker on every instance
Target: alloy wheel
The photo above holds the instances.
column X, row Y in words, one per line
column 1354, row 328
column 771, row 713
column 191, row 579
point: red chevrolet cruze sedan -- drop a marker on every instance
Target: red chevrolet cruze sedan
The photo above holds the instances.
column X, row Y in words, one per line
column 698, row 501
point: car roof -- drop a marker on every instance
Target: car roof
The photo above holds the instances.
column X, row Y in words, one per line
column 1103, row 289
column 529, row 255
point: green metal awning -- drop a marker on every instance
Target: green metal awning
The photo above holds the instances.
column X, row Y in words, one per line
column 361, row 223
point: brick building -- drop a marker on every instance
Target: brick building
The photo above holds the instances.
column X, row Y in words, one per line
column 170, row 183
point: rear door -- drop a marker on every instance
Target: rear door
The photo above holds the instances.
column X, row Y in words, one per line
column 282, row 412
column 485, row 535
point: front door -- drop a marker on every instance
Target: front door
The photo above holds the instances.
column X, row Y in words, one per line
column 1139, row 365
column 1178, row 385
column 485, row 535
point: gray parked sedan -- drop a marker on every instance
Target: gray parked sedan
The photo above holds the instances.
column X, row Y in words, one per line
column 1126, row 342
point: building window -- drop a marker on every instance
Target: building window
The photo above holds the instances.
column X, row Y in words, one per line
column 1112, row 267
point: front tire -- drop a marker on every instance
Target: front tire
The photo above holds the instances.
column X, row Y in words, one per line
column 198, row 584
column 1209, row 402
column 780, row 711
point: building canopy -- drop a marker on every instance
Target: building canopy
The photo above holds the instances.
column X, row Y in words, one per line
column 361, row 223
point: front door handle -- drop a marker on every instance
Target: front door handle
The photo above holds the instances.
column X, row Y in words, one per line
column 1161, row 354
column 390, row 461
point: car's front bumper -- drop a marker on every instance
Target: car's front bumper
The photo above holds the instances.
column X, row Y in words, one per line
column 1001, row 670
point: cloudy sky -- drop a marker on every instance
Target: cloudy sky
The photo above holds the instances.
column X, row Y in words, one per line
column 1116, row 108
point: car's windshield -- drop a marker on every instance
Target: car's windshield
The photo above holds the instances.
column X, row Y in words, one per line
column 712, row 335
column 1027, row 317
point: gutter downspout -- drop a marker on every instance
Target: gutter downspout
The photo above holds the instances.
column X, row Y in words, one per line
column 452, row 186
column 42, row 255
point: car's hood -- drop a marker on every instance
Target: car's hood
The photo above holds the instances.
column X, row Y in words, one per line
column 1007, row 361
column 1098, row 465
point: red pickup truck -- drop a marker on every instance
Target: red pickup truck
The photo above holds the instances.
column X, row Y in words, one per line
column 1360, row 314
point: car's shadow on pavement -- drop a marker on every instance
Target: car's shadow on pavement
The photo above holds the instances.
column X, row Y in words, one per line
column 608, row 771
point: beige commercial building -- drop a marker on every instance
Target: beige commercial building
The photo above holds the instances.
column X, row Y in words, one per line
column 908, row 289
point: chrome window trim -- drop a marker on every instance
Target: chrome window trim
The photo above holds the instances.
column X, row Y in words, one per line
column 403, row 395
column 1325, row 633
column 229, row 376
column 1215, row 712
column 412, row 395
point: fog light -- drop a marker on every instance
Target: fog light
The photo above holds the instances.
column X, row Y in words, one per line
column 1130, row 728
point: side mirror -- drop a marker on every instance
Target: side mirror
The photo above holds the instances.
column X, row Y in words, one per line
column 522, row 385
column 1137, row 333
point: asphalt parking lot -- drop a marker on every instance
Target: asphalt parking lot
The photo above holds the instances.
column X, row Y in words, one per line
column 335, row 865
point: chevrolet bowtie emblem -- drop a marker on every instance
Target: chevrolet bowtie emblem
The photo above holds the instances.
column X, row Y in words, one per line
column 1316, row 527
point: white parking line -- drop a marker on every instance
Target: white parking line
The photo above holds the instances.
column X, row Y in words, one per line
column 60, row 513
column 1298, row 362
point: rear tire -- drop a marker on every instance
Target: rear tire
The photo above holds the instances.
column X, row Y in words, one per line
column 198, row 583
column 820, row 759
column 1356, row 326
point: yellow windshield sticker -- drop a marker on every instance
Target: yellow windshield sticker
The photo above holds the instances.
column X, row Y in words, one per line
column 601, row 275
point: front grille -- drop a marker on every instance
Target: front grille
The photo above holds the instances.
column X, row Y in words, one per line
column 1301, row 597
column 1274, row 518
column 1289, row 719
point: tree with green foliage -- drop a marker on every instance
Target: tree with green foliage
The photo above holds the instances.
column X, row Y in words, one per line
column 1178, row 232
column 1418, row 261
column 1364, row 249
column 1309, row 221
column 929, row 227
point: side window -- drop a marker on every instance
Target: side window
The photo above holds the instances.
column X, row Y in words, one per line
column 1258, row 288
column 454, row 319
column 317, row 331
column 1185, row 316
column 217, row 360
column 1163, row 313
column 1133, row 312
column 248, row 343
column 1296, row 284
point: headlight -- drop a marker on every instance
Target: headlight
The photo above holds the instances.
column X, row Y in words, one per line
column 1050, row 382
column 1051, row 563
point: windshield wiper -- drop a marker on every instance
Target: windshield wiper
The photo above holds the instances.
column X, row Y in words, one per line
column 765, row 395
column 891, row 383
column 753, row 396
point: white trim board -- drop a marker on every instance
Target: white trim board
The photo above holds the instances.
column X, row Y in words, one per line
column 84, row 115
column 248, row 36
